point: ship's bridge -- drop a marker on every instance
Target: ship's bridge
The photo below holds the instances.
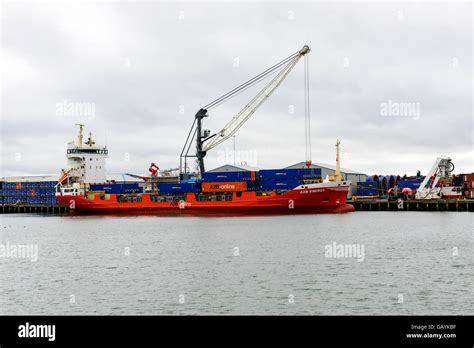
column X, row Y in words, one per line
column 86, row 160
column 88, row 150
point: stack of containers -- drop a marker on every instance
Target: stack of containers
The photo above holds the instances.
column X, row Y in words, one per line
column 13, row 192
column 6, row 192
column 286, row 179
column 32, row 190
column 229, row 181
column 22, row 190
column 29, row 192
column 16, row 193
column 468, row 185
column 38, row 193
column 43, row 193
column 49, row 190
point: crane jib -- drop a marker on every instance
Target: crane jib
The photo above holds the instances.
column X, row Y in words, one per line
column 281, row 69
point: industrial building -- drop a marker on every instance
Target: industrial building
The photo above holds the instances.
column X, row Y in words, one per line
column 328, row 169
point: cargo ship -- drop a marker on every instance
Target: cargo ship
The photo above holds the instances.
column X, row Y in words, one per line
column 83, row 188
column 311, row 198
column 277, row 191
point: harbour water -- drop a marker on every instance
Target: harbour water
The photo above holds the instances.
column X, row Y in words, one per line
column 401, row 263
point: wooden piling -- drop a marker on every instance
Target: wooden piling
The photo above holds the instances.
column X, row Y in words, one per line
column 441, row 205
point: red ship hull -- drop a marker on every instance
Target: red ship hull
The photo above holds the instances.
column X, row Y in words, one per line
column 309, row 199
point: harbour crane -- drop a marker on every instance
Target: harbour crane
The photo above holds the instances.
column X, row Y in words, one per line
column 205, row 141
column 430, row 188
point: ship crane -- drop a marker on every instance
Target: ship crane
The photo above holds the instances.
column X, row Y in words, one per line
column 429, row 188
column 154, row 171
column 205, row 141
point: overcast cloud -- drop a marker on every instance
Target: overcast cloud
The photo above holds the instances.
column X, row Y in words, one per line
column 147, row 67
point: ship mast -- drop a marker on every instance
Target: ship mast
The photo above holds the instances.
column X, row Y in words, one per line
column 80, row 136
column 337, row 174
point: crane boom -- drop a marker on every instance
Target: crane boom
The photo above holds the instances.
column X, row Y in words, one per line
column 429, row 188
column 206, row 142
column 238, row 120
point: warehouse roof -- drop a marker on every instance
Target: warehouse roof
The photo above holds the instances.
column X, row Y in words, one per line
column 119, row 177
column 233, row 168
column 30, row 178
column 323, row 165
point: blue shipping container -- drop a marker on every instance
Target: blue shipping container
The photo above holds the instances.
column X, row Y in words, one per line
column 307, row 173
column 280, row 184
column 178, row 188
column 226, row 176
column 117, row 188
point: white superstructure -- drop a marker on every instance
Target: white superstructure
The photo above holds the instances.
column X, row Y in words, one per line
column 86, row 161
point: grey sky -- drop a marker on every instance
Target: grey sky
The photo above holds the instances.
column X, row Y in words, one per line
column 142, row 63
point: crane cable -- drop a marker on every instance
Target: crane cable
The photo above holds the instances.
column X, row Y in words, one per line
column 283, row 68
column 234, row 92
column 307, row 113
column 243, row 115
column 250, row 82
